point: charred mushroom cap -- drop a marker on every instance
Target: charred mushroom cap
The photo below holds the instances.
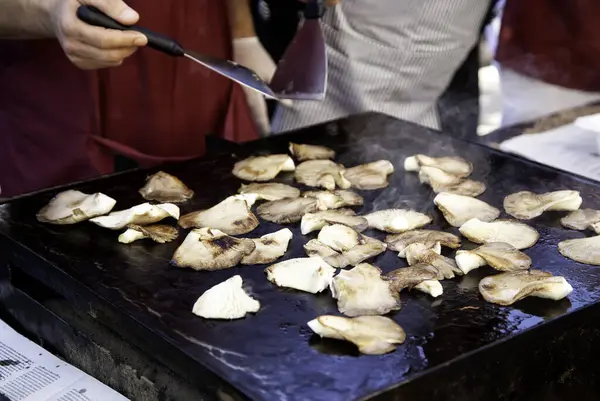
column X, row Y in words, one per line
column 232, row 216
column 311, row 152
column 269, row 248
column 526, row 205
column 166, row 188
column 458, row 209
column 285, row 211
column 159, row 233
column 263, row 168
column 399, row 242
column 418, row 253
column 409, row 277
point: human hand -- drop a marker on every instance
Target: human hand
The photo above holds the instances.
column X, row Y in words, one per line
column 90, row 47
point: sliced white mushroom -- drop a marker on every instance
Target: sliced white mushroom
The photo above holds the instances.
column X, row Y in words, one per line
column 431, row 287
column 456, row 166
column 396, row 221
column 517, row 234
column 269, row 248
column 158, row 233
column 459, row 209
column 340, row 238
column 527, row 205
column 314, row 247
column 581, row 219
column 369, row 176
column 500, row 256
column 270, row 191
column 140, row 215
column 311, row 152
column 226, row 300
column 418, row 253
column 232, row 216
column 508, row 288
column 316, row 221
column 373, row 335
column 321, row 174
column 466, row 188
column 582, row 250
column 441, row 181
column 285, row 211
column 211, row 249
column 358, row 254
column 263, row 168
column 362, row 291
column 305, row 274
column 335, row 199
column 430, row 238
column 165, row 188
column 71, row 207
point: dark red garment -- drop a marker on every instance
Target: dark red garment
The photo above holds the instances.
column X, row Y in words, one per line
column 59, row 124
column 556, row 41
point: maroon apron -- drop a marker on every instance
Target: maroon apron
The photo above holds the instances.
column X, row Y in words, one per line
column 59, row 124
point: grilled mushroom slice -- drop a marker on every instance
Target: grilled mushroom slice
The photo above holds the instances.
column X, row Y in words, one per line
column 419, row 253
column 140, row 215
column 314, row 247
column 311, row 152
column 508, row 288
column 456, row 166
column 459, row 209
column 321, row 174
column 263, row 168
column 305, row 274
column 226, row 300
column 355, row 255
column 422, row 277
column 211, row 249
column 163, row 187
column 441, row 181
column 396, row 221
column 500, row 256
column 285, row 211
column 517, row 234
column 270, row 191
column 335, row 199
column 316, row 221
column 269, row 248
column 582, row 250
column 158, row 233
column 340, row 238
column 232, row 216
column 362, row 291
column 71, row 207
column 369, row 176
column 527, row 205
column 582, row 219
column 373, row 335
column 430, row 238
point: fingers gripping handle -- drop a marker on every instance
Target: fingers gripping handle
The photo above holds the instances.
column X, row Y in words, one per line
column 93, row 16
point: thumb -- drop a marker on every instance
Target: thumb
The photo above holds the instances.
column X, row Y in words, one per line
column 116, row 9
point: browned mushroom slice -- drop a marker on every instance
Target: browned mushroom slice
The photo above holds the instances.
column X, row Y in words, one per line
column 396, row 221
column 373, row 335
column 287, row 210
column 311, row 152
column 508, row 288
column 158, row 233
column 517, row 234
column 141, row 215
column 340, row 238
column 362, row 291
column 399, row 242
column 263, row 168
column 456, row 166
column 419, row 253
column 368, row 248
column 500, row 256
column 335, row 199
column 369, row 176
column 422, row 277
column 527, row 205
column 458, row 209
column 232, row 216
column 71, row 207
column 321, row 174
column 269, row 248
column 270, row 191
column 582, row 250
column 441, row 181
column 163, row 187
column 581, row 219
column 211, row 249
column 316, row 221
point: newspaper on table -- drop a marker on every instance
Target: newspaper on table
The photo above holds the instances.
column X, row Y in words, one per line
column 572, row 147
column 30, row 373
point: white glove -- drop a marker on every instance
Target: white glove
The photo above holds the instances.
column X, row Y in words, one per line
column 250, row 53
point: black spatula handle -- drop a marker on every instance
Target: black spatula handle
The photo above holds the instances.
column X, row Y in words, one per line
column 314, row 9
column 93, row 16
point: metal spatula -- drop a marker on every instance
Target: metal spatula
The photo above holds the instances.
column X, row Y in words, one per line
column 229, row 69
column 302, row 71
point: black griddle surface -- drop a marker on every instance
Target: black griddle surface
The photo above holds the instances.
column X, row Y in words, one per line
column 273, row 355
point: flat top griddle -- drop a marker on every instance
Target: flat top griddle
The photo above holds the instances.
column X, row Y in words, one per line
column 273, row 355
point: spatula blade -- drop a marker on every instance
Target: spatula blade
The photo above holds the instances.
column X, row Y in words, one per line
column 302, row 72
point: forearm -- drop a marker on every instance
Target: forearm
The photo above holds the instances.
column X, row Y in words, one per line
column 240, row 19
column 25, row 19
